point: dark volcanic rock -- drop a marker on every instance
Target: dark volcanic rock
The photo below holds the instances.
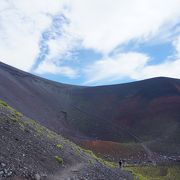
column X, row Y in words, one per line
column 148, row 109
column 30, row 151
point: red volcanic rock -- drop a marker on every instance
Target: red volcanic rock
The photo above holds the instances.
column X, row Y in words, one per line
column 114, row 150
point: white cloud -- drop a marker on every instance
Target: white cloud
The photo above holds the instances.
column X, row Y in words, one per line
column 48, row 67
column 116, row 68
column 103, row 24
column 131, row 65
column 61, row 46
column 21, row 25
column 167, row 69
column 176, row 44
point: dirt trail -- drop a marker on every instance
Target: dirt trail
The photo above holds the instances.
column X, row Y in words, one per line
column 148, row 151
column 150, row 154
column 68, row 173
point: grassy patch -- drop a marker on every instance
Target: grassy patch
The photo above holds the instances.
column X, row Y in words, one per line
column 59, row 146
column 40, row 130
column 51, row 135
column 102, row 161
column 3, row 103
column 16, row 119
column 17, row 113
column 59, row 159
column 90, row 162
column 155, row 172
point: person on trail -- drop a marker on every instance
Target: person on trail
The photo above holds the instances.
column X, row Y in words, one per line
column 120, row 164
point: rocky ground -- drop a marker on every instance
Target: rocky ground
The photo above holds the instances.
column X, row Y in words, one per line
column 31, row 151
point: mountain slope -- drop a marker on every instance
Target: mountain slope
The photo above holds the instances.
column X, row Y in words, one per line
column 37, row 98
column 31, row 151
column 147, row 111
column 142, row 108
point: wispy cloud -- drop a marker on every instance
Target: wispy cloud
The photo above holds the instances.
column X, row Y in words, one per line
column 176, row 44
column 115, row 68
column 21, row 26
column 169, row 68
column 56, row 45
column 52, row 34
column 103, row 25
column 51, row 68
column 132, row 65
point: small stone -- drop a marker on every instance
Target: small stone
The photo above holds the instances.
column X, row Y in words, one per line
column 10, row 173
column 1, row 173
column 3, row 165
column 5, row 171
column 37, row 177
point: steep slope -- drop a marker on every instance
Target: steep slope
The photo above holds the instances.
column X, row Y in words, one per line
column 146, row 111
column 37, row 98
column 31, row 151
column 145, row 108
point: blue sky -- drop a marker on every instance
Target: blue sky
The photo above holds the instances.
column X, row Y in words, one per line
column 92, row 42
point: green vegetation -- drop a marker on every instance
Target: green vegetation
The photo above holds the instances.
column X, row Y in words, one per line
column 18, row 113
column 59, row 146
column 94, row 157
column 3, row 103
column 106, row 163
column 9, row 107
column 59, row 159
column 51, row 134
column 16, row 118
column 15, row 114
column 90, row 162
column 38, row 128
column 155, row 172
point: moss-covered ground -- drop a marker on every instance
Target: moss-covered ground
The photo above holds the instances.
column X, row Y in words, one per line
column 155, row 172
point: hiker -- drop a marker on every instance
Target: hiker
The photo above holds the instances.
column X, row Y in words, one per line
column 120, row 164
